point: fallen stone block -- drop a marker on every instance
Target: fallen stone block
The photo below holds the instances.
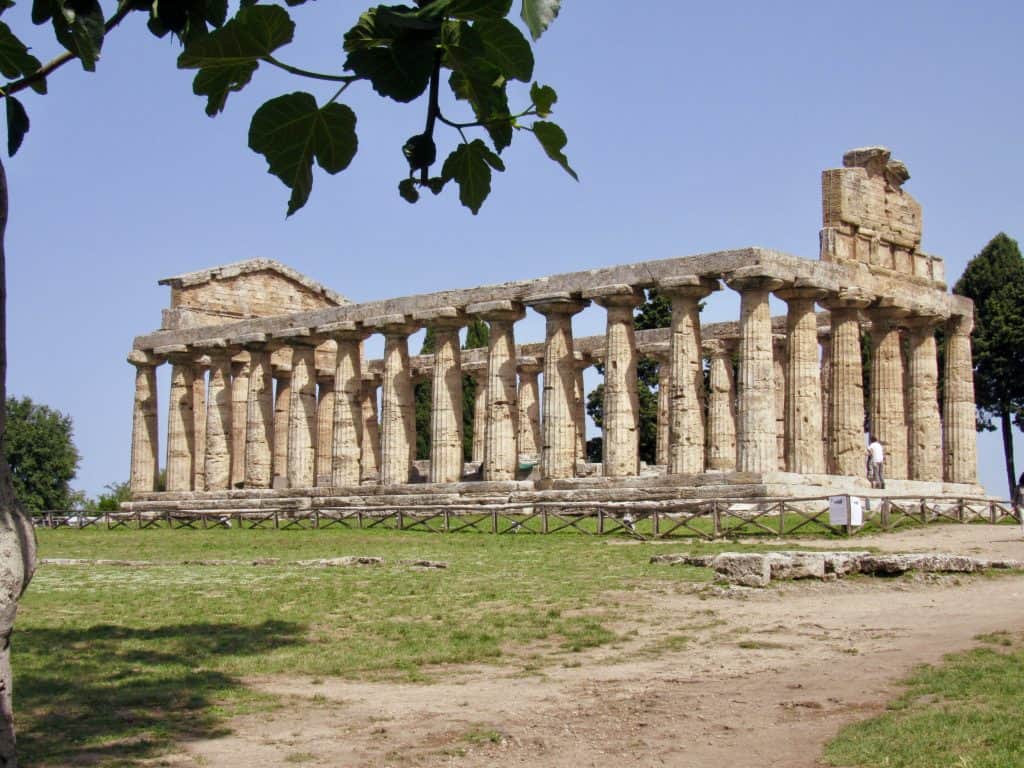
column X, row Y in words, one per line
column 748, row 570
column 336, row 562
column 796, row 565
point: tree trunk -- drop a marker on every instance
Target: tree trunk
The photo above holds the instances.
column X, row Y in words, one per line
column 1007, row 430
column 17, row 536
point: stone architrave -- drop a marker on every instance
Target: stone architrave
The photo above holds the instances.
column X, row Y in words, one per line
column 201, row 365
column 621, row 412
column 501, row 454
column 445, row 393
column 846, row 442
column 398, row 417
column 888, row 406
column 145, row 431
column 326, row 403
column 240, row 371
column 370, row 456
column 528, row 405
column 686, row 427
column 301, row 462
column 477, row 371
column 558, row 428
column 924, row 429
column 959, row 438
column 259, row 413
column 219, row 411
column 721, row 428
column 804, row 447
column 347, row 422
column 180, row 419
column 282, row 409
column 756, row 446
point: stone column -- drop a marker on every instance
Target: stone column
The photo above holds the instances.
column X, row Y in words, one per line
column 721, row 407
column 145, row 432
column 219, row 410
column 579, row 405
column 528, row 406
column 803, row 426
column 240, row 371
column 558, row 448
column 398, row 416
column 780, row 354
column 959, row 437
column 686, row 373
column 259, row 413
column 924, row 430
column 621, row 428
column 326, row 403
column 825, row 343
column 370, row 456
column 888, row 408
column 180, row 421
column 755, row 428
column 501, row 454
column 301, row 462
column 282, row 408
column 200, row 368
column 663, row 447
column 846, row 454
column 478, row 372
column 345, row 431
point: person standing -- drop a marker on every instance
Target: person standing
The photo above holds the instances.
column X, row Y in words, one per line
column 876, row 457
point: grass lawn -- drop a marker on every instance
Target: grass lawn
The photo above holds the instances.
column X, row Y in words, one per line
column 112, row 663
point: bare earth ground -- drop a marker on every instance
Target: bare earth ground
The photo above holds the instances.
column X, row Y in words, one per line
column 766, row 679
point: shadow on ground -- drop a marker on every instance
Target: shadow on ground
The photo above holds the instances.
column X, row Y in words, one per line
column 115, row 696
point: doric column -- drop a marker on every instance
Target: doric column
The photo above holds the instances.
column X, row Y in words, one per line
column 756, row 447
column 501, row 455
column 846, row 454
column 959, row 437
column 686, row 373
column 326, row 403
column 145, row 432
column 888, row 407
column 621, row 412
column 579, row 405
column 803, row 426
column 825, row 343
column 558, row 448
column 721, row 406
column 780, row 353
column 398, row 416
column 347, row 426
column 663, row 445
column 200, row 368
column 180, row 419
column 528, row 405
column 301, row 461
column 218, row 416
column 240, row 371
column 259, row 412
column 924, row 430
column 282, row 368
column 477, row 371
column 370, row 456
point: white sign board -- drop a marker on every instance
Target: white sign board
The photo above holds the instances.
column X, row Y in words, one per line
column 845, row 510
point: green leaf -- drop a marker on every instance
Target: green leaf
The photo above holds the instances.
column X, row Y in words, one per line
column 394, row 49
column 473, row 10
column 227, row 58
column 470, row 167
column 552, row 139
column 407, row 189
column 15, row 60
column 17, row 124
column 475, row 79
column 538, row 15
column 216, row 12
column 543, row 98
column 5, row 4
column 42, row 10
column 79, row 27
column 291, row 131
column 436, row 183
column 506, row 48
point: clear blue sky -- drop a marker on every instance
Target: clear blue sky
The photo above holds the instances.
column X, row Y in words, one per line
column 694, row 127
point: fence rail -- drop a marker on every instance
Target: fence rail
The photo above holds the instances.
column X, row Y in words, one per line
column 705, row 519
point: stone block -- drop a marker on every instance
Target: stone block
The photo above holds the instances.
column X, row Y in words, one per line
column 796, row 565
column 748, row 570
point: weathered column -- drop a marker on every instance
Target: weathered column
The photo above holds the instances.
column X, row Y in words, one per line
column 756, row 447
column 477, row 371
column 398, row 407
column 959, row 437
column 846, row 454
column 240, row 371
column 347, row 427
column 621, row 427
column 218, row 418
column 779, row 358
column 528, row 405
column 259, row 413
column 721, row 407
column 501, row 455
column 662, row 448
column 282, row 409
column 579, row 405
column 200, row 369
column 301, row 462
column 825, row 342
column 888, row 408
column 686, row 373
column 180, row 419
column 370, row 456
column 326, row 403
column 803, row 426
column 924, row 428
column 145, row 432
column 558, row 448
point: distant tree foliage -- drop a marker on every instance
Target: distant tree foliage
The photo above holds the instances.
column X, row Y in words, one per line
column 994, row 280
column 41, row 454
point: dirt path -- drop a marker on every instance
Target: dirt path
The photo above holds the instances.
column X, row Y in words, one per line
column 765, row 679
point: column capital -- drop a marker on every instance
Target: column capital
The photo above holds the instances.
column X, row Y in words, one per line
column 921, row 319
column 502, row 310
column 142, row 358
column 177, row 354
column 296, row 336
column 559, row 303
column 255, row 341
column 477, row 369
column 392, row 325
column 216, row 349
column 442, row 317
column 848, row 298
column 530, row 365
column 802, row 289
column 615, row 295
column 660, row 351
column 692, row 286
column 752, row 278
column 343, row 330
column 961, row 324
column 720, row 347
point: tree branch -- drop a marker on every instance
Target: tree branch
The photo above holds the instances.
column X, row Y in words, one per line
column 306, row 73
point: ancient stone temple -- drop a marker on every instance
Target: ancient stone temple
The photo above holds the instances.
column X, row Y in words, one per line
column 272, row 399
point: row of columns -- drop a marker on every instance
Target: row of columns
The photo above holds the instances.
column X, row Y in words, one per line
column 249, row 437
